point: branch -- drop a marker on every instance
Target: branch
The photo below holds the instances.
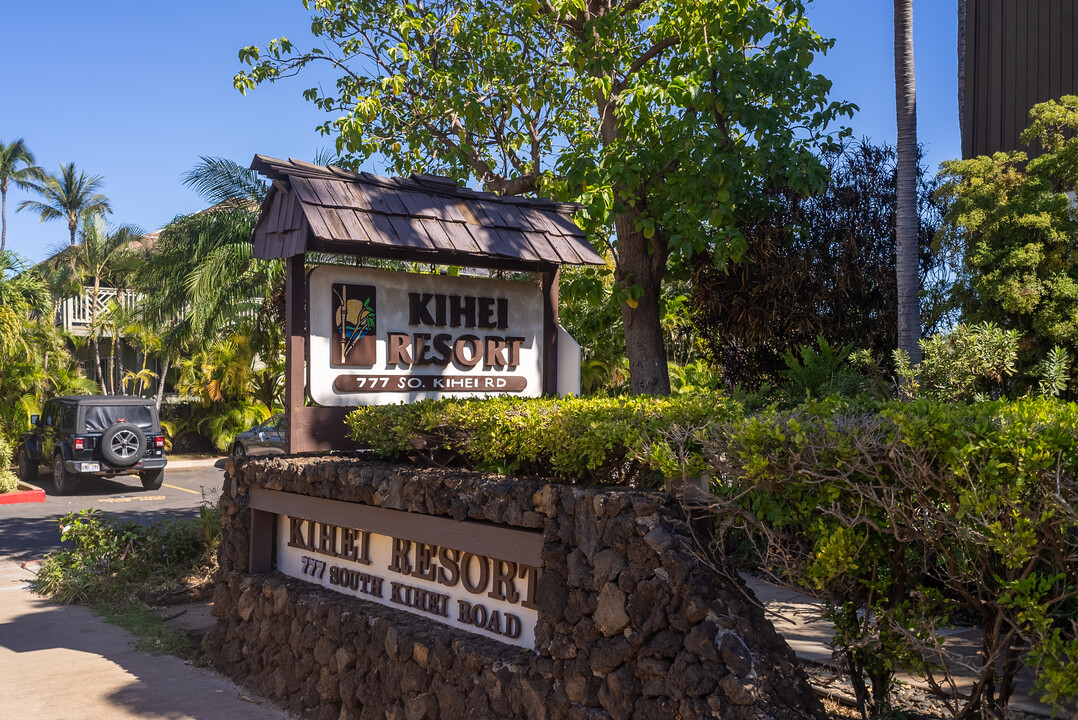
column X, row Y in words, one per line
column 650, row 54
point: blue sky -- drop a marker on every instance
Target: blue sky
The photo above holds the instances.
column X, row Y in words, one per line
column 136, row 91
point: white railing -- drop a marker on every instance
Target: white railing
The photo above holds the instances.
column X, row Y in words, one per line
column 76, row 313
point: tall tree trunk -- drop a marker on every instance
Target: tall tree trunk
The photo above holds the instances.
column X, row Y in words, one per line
column 118, row 363
column 71, row 225
column 642, row 262
column 93, row 330
column 161, row 382
column 906, row 219
column 3, row 218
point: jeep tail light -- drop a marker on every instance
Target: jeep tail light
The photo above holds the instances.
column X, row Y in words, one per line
column 159, row 441
column 80, row 443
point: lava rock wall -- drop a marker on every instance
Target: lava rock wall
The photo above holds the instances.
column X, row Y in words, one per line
column 633, row 623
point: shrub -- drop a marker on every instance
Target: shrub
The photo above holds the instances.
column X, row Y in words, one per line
column 117, row 560
column 628, row 440
column 8, row 481
column 902, row 513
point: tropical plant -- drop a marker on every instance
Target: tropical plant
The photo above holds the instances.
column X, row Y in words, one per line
column 12, row 155
column 665, row 129
column 22, row 295
column 219, row 379
column 221, row 180
column 34, row 359
column 1012, row 220
column 901, row 515
column 817, row 373
column 8, row 481
column 974, row 363
column 70, row 196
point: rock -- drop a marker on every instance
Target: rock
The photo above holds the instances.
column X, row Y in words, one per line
column 660, row 539
column 246, row 604
column 736, row 656
column 607, row 566
column 738, row 692
column 609, row 654
column 421, row 654
column 345, row 659
column 324, row 651
column 610, row 616
column 701, row 641
column 580, row 571
column 618, row 694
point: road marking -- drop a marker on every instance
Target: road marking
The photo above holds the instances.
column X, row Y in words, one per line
column 174, row 487
column 140, row 498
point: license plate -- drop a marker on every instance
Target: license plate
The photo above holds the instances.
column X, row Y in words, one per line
column 91, row 467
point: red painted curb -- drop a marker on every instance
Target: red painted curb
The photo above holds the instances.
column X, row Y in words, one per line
column 25, row 494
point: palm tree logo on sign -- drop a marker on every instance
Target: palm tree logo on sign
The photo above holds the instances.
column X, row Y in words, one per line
column 353, row 325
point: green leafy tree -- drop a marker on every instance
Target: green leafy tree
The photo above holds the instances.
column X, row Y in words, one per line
column 1014, row 224
column 12, row 155
column 664, row 118
column 72, row 196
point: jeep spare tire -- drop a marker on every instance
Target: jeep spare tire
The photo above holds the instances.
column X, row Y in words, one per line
column 123, row 444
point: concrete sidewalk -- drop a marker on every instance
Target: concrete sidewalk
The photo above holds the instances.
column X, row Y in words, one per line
column 63, row 662
column 200, row 463
column 798, row 619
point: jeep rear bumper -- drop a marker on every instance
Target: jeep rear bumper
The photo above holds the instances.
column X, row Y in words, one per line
column 87, row 466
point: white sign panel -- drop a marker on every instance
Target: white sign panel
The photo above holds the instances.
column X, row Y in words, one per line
column 379, row 337
column 465, row 590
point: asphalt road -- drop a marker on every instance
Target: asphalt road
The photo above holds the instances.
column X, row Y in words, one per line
column 30, row 530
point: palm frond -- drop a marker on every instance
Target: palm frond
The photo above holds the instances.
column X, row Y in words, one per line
column 220, row 180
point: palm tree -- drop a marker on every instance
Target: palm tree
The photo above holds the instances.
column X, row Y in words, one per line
column 103, row 255
column 23, row 296
column 71, row 196
column 906, row 218
column 202, row 271
column 11, row 156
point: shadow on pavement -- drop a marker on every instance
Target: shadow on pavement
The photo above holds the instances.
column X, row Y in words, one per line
column 102, row 675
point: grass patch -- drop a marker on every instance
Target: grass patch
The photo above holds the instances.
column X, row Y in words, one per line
column 155, row 636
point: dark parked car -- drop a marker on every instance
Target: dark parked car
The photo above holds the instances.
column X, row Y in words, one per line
column 80, row 436
column 264, row 439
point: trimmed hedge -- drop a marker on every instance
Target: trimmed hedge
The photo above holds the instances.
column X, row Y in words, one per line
column 626, row 440
column 898, row 515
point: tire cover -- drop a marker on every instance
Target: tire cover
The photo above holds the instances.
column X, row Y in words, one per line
column 123, row 444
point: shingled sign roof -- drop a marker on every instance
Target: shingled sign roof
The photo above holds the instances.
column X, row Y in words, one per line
column 424, row 218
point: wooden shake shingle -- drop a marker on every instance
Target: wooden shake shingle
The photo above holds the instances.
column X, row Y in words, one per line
column 422, row 218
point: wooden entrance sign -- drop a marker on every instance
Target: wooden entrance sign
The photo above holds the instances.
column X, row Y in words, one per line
column 422, row 219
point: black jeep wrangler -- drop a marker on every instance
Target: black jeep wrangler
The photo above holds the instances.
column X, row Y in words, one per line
column 94, row 435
